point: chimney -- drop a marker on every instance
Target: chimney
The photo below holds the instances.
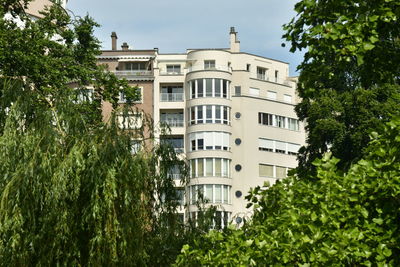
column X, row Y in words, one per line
column 234, row 43
column 114, row 41
column 125, row 46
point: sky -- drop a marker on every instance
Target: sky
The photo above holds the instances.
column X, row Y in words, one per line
column 176, row 25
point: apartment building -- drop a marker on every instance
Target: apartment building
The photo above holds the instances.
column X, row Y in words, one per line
column 136, row 66
column 231, row 116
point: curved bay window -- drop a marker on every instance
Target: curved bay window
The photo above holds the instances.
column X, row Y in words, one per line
column 209, row 141
column 212, row 193
column 210, row 114
column 209, row 87
column 210, row 167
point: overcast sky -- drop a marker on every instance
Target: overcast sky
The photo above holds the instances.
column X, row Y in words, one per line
column 175, row 25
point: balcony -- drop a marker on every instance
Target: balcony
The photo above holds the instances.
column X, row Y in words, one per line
column 264, row 77
column 177, row 143
column 171, row 73
column 173, row 123
column 133, row 74
column 171, row 97
column 210, row 68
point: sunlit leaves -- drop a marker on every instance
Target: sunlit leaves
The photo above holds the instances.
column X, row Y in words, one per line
column 334, row 219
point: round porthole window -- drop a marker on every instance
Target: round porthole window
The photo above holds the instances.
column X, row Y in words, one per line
column 238, row 141
column 238, row 194
column 238, row 220
column 238, row 115
column 238, row 167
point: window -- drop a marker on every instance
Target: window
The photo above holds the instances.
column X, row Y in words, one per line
column 209, row 117
column 265, row 118
column 210, row 141
column 292, row 149
column 238, row 90
column 130, row 121
column 135, row 66
column 210, row 167
column 278, row 121
column 193, row 88
column 84, row 95
column 287, row 98
column 209, row 64
column 217, row 87
column 261, row 73
column 179, row 196
column 254, row 91
column 265, row 145
column 136, row 146
column 173, row 69
column 209, row 114
column 220, row 219
column 200, row 88
column 172, row 119
column 171, row 93
column 271, row 95
column 293, row 124
column 200, row 114
column 248, row 67
column 218, row 118
column 276, row 76
column 209, row 87
column 280, row 172
column 266, row 170
column 174, row 172
column 278, row 146
column 218, row 193
column 176, row 142
column 213, row 193
column 124, row 99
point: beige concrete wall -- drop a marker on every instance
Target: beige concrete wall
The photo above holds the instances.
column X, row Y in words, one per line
column 37, row 5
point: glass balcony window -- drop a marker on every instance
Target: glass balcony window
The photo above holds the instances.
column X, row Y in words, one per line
column 172, row 119
column 171, row 94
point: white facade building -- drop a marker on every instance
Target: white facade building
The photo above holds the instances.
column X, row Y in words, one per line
column 232, row 115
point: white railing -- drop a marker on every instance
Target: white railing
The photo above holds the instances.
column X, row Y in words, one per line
column 171, row 97
column 173, row 123
column 217, row 67
column 271, row 79
column 133, row 73
column 171, row 72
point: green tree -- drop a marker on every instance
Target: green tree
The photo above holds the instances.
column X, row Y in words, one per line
column 334, row 220
column 349, row 78
column 71, row 192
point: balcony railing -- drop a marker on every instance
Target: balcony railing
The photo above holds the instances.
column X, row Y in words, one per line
column 177, row 72
column 171, row 97
column 133, row 73
column 173, row 123
column 217, row 67
column 272, row 79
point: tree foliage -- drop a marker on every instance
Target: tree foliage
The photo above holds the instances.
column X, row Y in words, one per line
column 349, row 78
column 71, row 192
column 338, row 219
